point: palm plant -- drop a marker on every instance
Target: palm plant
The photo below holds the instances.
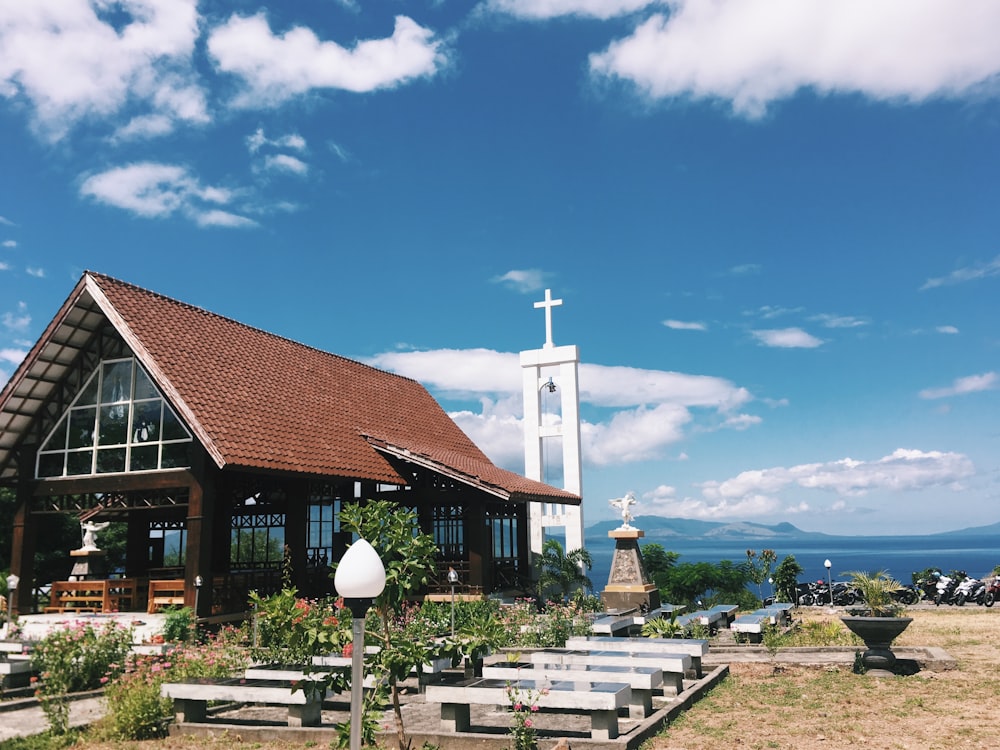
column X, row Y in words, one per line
column 560, row 571
column 877, row 589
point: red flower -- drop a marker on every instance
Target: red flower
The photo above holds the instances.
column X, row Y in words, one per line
column 348, row 650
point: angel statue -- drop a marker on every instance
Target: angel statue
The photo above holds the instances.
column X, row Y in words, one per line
column 89, row 531
column 624, row 504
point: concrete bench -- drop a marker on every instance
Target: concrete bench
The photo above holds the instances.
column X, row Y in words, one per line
column 428, row 671
column 752, row 624
column 727, row 613
column 15, row 672
column 613, row 625
column 191, row 698
column 601, row 700
column 672, row 666
column 642, row 680
column 693, row 647
column 664, row 610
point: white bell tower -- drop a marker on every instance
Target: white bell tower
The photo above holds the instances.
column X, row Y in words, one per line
column 550, row 370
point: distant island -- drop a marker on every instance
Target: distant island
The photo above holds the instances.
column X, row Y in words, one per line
column 659, row 528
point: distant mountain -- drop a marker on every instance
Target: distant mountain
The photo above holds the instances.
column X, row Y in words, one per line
column 658, row 527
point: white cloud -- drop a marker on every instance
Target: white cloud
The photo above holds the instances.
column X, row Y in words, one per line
column 274, row 68
column 9, row 243
column 17, row 322
column 285, row 163
column 787, row 338
column 291, row 141
column 7, row 222
column 14, row 356
column 839, row 321
column 38, row 273
column 961, row 386
column 757, row 492
column 742, row 421
column 752, row 53
column 216, row 218
column 968, row 273
column 769, row 312
column 526, row 280
column 73, row 60
column 650, row 408
column 680, row 325
column 948, row 330
column 537, row 10
column 745, row 269
column 154, row 190
column 4, row 266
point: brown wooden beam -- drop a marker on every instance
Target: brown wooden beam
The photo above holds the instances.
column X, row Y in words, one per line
column 115, row 483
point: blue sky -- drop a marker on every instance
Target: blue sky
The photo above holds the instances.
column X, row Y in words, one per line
column 773, row 224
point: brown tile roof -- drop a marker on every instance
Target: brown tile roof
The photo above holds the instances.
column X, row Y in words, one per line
column 258, row 400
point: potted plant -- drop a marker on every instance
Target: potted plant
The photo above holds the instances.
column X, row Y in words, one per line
column 879, row 622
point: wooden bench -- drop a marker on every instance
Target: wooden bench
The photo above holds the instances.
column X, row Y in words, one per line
column 191, row 698
column 106, row 595
column 642, row 680
column 693, row 647
column 165, row 593
column 601, row 700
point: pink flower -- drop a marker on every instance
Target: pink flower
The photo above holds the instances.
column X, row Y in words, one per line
column 534, row 708
column 527, row 723
column 104, row 680
column 518, row 706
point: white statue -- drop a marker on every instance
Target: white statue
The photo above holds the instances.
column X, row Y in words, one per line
column 624, row 504
column 89, row 530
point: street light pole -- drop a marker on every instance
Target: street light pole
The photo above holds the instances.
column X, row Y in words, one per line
column 12, row 581
column 360, row 578
column 198, row 583
column 829, row 581
column 452, row 579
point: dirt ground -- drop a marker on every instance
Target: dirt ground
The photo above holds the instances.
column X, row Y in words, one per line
column 802, row 707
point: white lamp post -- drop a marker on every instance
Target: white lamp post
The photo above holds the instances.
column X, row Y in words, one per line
column 12, row 581
column 198, row 583
column 360, row 577
column 771, row 581
column 452, row 579
column 829, row 581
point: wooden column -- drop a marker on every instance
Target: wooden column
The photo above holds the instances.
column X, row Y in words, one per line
column 201, row 513
column 296, row 500
column 22, row 553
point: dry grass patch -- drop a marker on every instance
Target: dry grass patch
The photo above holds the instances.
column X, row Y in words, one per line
column 833, row 708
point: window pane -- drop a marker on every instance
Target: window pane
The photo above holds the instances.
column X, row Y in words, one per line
column 144, row 387
column 57, row 440
column 144, row 458
column 145, row 423
column 117, row 383
column 172, row 427
column 79, row 462
column 51, row 464
column 89, row 393
column 81, row 427
column 110, row 460
column 176, row 455
column 114, row 423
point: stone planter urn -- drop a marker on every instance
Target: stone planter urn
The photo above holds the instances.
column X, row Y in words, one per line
column 878, row 634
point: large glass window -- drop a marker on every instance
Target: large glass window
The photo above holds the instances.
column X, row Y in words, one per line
column 119, row 422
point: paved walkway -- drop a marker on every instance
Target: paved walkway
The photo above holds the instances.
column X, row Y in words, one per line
column 20, row 718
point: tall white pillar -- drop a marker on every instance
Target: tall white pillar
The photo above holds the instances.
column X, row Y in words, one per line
column 542, row 370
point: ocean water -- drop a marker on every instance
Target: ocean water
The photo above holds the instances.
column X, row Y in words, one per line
column 900, row 555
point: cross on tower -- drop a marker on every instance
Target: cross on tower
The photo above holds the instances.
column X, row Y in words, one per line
column 548, row 303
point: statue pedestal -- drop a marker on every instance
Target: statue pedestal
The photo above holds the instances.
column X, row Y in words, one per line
column 629, row 586
column 88, row 565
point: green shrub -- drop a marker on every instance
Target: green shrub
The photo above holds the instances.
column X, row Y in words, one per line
column 136, row 711
column 77, row 658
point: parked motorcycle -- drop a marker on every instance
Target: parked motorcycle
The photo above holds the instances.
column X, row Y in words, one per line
column 945, row 590
column 992, row 593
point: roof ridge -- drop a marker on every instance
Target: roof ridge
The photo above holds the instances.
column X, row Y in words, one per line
column 98, row 276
